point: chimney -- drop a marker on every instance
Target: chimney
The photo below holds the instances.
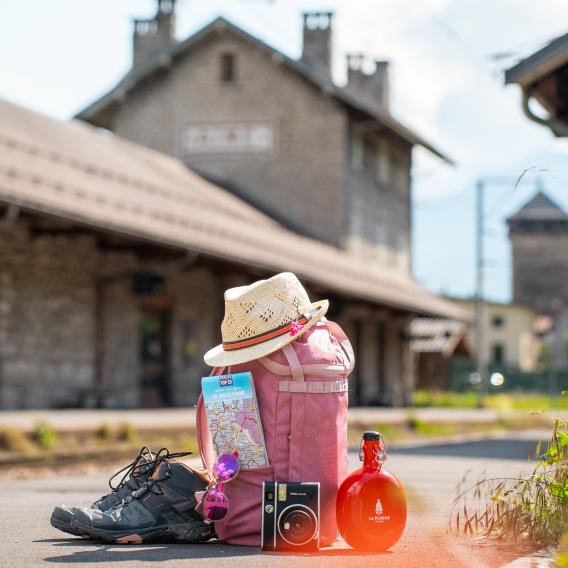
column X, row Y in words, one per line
column 374, row 85
column 155, row 34
column 317, row 38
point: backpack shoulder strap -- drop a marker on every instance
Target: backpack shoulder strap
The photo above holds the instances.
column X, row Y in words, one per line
column 344, row 342
column 203, row 435
column 294, row 362
column 274, row 367
column 297, row 370
column 202, row 429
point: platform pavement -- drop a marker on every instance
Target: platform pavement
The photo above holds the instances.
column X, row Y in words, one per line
column 430, row 476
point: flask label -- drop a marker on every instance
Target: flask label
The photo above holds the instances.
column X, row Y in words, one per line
column 379, row 507
column 379, row 517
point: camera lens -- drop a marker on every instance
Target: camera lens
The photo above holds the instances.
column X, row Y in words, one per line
column 297, row 525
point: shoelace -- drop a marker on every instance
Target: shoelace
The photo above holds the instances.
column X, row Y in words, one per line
column 130, row 470
column 151, row 484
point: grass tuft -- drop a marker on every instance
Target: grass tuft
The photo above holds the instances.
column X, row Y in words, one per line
column 188, row 443
column 532, row 509
column 14, row 440
column 497, row 401
column 45, row 435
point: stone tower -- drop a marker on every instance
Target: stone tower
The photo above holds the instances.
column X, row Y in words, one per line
column 539, row 239
column 153, row 35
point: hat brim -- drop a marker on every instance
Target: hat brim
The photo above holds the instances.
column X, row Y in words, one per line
column 218, row 357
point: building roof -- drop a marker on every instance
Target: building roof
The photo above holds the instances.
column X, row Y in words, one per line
column 78, row 172
column 540, row 208
column 542, row 76
column 539, row 64
column 430, row 335
column 95, row 113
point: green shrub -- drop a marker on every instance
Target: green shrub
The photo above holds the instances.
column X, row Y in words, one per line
column 387, row 430
column 104, row 432
column 14, row 440
column 445, row 399
column 45, row 435
column 413, row 422
column 128, row 433
column 498, row 401
column 428, row 428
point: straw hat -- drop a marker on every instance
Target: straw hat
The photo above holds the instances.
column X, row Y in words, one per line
column 262, row 318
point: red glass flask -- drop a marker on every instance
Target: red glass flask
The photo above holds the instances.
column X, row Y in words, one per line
column 371, row 503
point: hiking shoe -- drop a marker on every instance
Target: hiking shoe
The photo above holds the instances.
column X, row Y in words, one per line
column 133, row 476
column 161, row 510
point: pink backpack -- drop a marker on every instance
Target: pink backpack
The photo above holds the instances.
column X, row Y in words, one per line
column 302, row 397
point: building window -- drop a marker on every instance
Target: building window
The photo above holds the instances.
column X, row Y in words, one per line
column 498, row 354
column 383, row 163
column 402, row 172
column 497, row 321
column 357, row 152
column 228, row 68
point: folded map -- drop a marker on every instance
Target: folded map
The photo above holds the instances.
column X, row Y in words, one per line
column 233, row 417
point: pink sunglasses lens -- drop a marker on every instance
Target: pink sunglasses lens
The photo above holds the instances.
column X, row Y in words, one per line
column 226, row 467
column 215, row 505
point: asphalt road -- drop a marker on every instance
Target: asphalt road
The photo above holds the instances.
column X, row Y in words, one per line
column 429, row 473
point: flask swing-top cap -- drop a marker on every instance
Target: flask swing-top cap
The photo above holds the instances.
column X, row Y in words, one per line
column 381, row 453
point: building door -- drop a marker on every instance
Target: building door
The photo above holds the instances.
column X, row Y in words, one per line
column 154, row 357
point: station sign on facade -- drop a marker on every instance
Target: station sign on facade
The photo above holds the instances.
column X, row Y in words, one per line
column 214, row 138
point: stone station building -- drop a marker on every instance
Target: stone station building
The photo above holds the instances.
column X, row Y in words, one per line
column 113, row 263
column 328, row 162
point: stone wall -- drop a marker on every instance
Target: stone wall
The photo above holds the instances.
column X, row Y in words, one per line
column 47, row 322
column 379, row 212
column 47, row 313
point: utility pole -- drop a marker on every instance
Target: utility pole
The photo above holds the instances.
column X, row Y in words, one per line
column 482, row 362
column 479, row 302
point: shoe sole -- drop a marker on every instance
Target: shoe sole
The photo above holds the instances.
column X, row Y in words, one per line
column 66, row 527
column 164, row 533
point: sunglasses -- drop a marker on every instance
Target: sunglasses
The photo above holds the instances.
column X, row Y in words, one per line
column 215, row 502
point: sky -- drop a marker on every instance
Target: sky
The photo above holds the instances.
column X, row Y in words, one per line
column 447, row 61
